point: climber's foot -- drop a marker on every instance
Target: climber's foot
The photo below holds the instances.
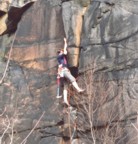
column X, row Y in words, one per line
column 59, row 96
column 81, row 90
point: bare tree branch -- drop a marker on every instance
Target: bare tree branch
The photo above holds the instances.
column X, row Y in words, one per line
column 9, row 57
column 24, row 141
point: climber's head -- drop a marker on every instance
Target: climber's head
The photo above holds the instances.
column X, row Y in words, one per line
column 60, row 51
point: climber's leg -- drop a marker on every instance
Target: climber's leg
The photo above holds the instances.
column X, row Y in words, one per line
column 69, row 76
column 65, row 94
column 60, row 82
column 75, row 84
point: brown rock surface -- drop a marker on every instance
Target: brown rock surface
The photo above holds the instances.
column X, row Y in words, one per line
column 105, row 36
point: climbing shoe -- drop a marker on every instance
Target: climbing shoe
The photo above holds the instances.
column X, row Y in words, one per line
column 59, row 96
column 81, row 90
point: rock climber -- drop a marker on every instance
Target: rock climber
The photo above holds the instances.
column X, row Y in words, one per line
column 63, row 70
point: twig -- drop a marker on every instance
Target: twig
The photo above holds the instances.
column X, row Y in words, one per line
column 7, row 127
column 134, row 127
column 32, row 129
column 4, row 74
column 3, row 112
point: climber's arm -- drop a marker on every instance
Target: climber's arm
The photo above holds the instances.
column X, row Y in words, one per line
column 65, row 46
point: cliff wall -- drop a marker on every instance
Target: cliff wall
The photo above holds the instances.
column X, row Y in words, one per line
column 102, row 44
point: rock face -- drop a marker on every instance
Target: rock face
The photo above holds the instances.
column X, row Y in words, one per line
column 8, row 9
column 29, row 87
column 109, row 39
column 103, row 35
